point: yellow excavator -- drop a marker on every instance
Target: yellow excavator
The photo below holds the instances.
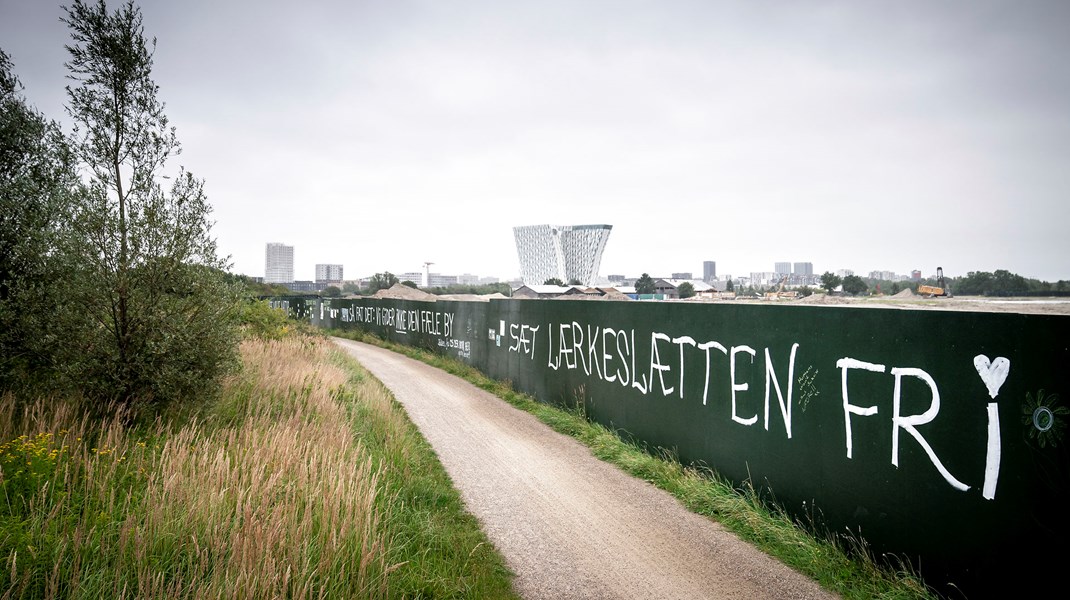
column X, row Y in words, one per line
column 936, row 291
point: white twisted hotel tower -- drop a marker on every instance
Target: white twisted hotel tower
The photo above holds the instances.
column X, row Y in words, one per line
column 567, row 252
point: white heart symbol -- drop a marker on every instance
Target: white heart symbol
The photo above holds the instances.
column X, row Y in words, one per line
column 992, row 373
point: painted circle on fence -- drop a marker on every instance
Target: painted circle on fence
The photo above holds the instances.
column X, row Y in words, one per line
column 1043, row 418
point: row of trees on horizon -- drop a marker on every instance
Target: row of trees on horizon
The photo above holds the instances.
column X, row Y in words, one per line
column 975, row 283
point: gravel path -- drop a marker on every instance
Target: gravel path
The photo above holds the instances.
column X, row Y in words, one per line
column 568, row 524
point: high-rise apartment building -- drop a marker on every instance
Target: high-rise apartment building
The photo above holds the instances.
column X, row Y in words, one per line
column 804, row 269
column 782, row 268
column 329, row 273
column 279, row 263
column 567, row 252
column 709, row 270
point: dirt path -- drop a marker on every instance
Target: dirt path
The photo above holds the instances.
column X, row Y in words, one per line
column 568, row 524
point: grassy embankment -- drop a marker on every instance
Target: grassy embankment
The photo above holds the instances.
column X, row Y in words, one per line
column 305, row 479
column 839, row 563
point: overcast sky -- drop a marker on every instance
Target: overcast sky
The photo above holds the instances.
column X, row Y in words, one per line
column 892, row 135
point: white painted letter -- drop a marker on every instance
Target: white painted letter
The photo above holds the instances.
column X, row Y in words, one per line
column 706, row 347
column 577, row 348
column 908, row 423
column 622, row 335
column 592, row 362
column 849, row 363
column 994, row 448
column 564, row 349
column 770, row 376
column 655, row 363
column 680, row 341
column 605, row 355
column 740, row 387
column 642, row 387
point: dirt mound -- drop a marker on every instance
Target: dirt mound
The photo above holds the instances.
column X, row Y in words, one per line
column 822, row 299
column 471, row 297
column 403, row 292
column 907, row 293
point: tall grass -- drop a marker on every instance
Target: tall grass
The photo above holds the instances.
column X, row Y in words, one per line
column 293, row 485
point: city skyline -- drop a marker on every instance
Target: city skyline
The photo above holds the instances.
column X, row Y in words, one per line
column 334, row 272
column 859, row 136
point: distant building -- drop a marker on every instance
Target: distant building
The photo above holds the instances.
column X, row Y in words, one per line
column 782, row 268
column 303, row 286
column 329, row 274
column 681, row 276
column 764, row 278
column 616, row 278
column 540, row 291
column 915, row 275
column 413, row 276
column 468, row 279
column 278, row 263
column 567, row 252
column 709, row 270
column 803, row 269
column 845, row 272
column 437, row 280
column 670, row 287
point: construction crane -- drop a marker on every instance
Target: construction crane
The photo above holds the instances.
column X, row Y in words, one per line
column 936, row 291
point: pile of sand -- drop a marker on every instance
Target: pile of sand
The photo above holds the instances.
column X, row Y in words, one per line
column 472, row 297
column 822, row 299
column 403, row 292
column 907, row 293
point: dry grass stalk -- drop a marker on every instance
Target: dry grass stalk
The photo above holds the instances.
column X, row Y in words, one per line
column 283, row 503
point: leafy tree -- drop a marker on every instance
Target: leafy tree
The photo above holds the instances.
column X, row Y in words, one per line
column 254, row 289
column 998, row 283
column 409, row 283
column 350, row 287
column 685, row 290
column 332, row 291
column 554, row 281
column 645, row 285
column 854, row 285
column 382, row 281
column 36, row 177
column 830, row 281
column 575, row 281
column 729, row 286
column 156, row 318
column 805, row 291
